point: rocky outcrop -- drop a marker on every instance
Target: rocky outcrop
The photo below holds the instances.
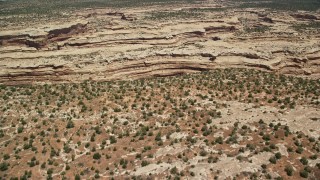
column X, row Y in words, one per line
column 112, row 47
column 220, row 29
column 24, row 39
column 128, row 18
column 41, row 40
column 63, row 33
column 305, row 16
column 266, row 19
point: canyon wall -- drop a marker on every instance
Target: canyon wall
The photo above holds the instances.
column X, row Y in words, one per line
column 104, row 45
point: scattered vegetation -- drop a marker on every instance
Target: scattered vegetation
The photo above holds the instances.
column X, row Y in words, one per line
column 309, row 26
column 99, row 128
column 284, row 5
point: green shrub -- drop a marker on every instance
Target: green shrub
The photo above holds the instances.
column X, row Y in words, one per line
column 304, row 174
column 20, row 129
column 278, row 155
column 144, row 163
column 304, row 160
column 4, row 166
column 77, row 177
column 273, row 160
column 289, row 170
column 112, row 139
column 299, row 150
column 70, row 124
column 6, row 156
column 96, row 156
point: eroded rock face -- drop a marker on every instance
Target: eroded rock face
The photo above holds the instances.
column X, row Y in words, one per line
column 40, row 40
column 305, row 16
column 104, row 45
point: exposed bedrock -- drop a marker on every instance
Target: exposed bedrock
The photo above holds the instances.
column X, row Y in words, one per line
column 305, row 16
column 40, row 40
column 153, row 66
column 114, row 46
